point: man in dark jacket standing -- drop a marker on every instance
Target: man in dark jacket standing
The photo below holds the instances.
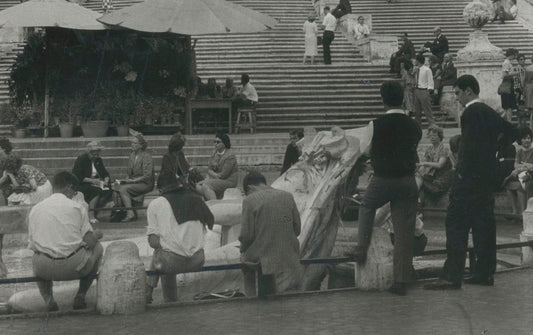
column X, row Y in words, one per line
column 471, row 197
column 392, row 140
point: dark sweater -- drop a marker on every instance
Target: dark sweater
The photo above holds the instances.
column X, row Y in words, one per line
column 394, row 142
column 482, row 132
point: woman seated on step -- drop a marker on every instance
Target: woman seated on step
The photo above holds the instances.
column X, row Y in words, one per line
column 29, row 184
column 518, row 184
column 435, row 173
column 93, row 178
column 5, row 187
column 223, row 172
column 140, row 177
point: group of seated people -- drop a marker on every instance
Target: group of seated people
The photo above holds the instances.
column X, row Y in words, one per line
column 23, row 184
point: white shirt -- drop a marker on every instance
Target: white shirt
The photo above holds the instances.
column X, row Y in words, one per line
column 361, row 30
column 366, row 141
column 57, row 226
column 249, row 92
column 183, row 239
column 425, row 78
column 329, row 22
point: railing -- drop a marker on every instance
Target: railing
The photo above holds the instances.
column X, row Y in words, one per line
column 309, row 261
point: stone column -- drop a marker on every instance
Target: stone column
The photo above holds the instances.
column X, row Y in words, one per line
column 121, row 280
column 479, row 57
column 377, row 272
column 527, row 233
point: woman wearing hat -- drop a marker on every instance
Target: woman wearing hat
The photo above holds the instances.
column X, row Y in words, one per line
column 140, row 176
column 311, row 32
column 93, row 177
column 223, row 171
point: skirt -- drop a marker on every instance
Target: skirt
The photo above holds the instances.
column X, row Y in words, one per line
column 31, row 198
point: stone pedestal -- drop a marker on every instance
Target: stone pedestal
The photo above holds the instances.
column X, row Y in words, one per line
column 527, row 233
column 11, row 35
column 121, row 280
column 377, row 272
column 449, row 104
column 377, row 49
column 483, row 60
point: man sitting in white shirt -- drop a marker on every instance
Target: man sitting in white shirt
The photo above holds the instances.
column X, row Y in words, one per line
column 64, row 243
column 176, row 230
column 246, row 95
column 361, row 28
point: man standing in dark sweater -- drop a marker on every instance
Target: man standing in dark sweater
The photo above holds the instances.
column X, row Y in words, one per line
column 471, row 197
column 391, row 140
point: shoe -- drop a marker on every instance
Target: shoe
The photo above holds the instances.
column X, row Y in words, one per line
column 52, row 306
column 128, row 219
column 398, row 288
column 442, row 284
column 488, row 281
column 79, row 303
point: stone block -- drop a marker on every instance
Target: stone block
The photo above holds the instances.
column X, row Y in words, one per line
column 377, row 49
column 377, row 272
column 121, row 280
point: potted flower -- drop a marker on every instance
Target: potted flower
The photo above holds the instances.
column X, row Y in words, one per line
column 19, row 116
column 66, row 111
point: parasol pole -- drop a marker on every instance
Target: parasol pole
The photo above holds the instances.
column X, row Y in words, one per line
column 46, row 85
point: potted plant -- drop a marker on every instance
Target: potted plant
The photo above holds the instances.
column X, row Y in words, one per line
column 66, row 111
column 121, row 114
column 19, row 116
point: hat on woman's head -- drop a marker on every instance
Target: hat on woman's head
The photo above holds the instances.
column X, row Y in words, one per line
column 225, row 139
column 94, row 146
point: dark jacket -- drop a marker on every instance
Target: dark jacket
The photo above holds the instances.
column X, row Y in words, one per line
column 407, row 49
column 291, row 156
column 83, row 169
column 482, row 132
column 394, row 142
column 439, row 47
column 176, row 163
column 342, row 9
column 449, row 74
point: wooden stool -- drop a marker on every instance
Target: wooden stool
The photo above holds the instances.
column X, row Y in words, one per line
column 250, row 123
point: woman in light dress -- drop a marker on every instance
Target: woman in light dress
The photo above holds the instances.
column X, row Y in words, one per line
column 311, row 32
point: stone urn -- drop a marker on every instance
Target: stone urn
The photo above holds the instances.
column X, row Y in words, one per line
column 477, row 14
column 480, row 57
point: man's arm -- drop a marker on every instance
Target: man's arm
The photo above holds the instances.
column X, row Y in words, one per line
column 90, row 240
column 247, row 235
column 154, row 241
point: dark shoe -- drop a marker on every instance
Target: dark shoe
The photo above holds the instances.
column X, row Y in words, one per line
column 79, row 303
column 398, row 288
column 52, row 306
column 442, row 284
column 488, row 281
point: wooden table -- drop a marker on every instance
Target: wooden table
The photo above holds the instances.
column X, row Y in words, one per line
column 209, row 104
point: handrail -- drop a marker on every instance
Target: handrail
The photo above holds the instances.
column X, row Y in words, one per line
column 308, row 261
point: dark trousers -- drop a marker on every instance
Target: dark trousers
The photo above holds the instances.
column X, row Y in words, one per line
column 327, row 39
column 402, row 194
column 471, row 207
column 396, row 61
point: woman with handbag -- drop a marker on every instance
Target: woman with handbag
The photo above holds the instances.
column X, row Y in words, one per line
column 506, row 89
column 516, row 184
column 311, row 32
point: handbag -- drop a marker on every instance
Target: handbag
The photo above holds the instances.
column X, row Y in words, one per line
column 505, row 87
column 319, row 40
